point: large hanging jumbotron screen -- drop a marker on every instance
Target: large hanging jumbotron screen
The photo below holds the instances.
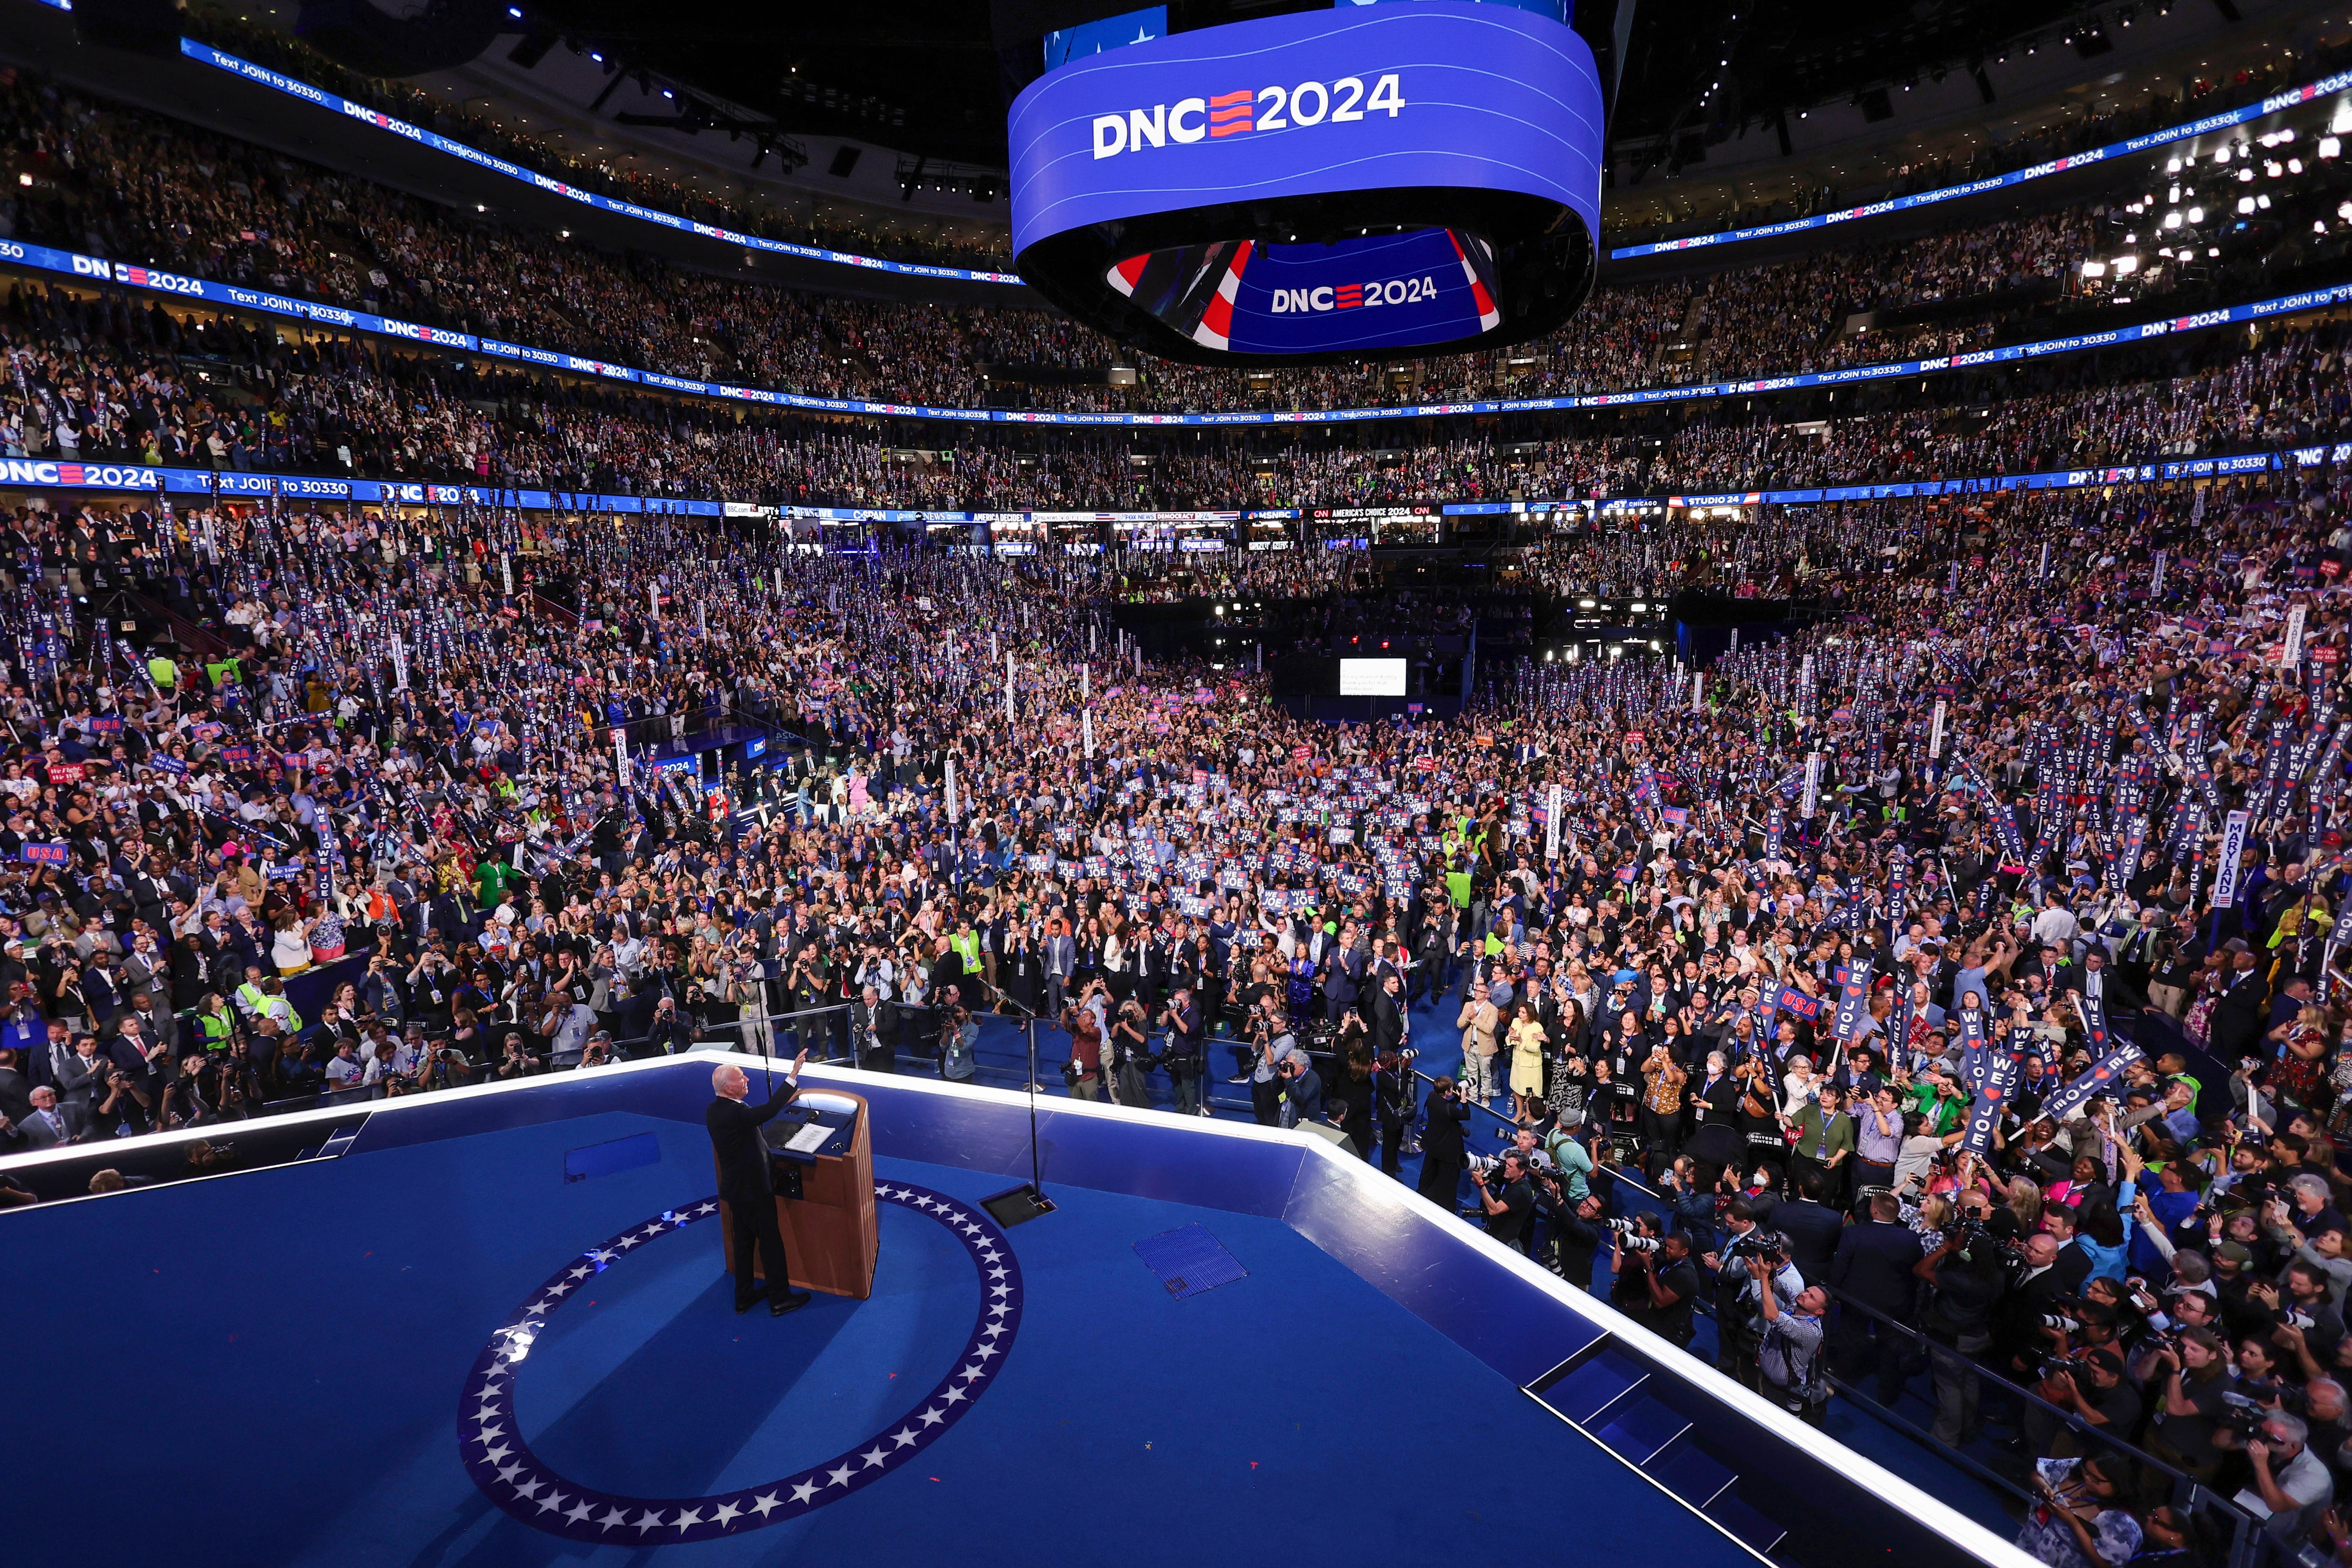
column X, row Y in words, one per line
column 1316, row 186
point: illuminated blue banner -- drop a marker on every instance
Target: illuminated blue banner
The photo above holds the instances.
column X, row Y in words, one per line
column 221, row 60
column 1464, row 96
column 46, row 259
column 33, row 473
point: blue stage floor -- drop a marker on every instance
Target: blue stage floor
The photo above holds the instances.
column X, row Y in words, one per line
column 274, row 1368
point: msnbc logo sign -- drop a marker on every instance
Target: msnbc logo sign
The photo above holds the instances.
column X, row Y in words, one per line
column 1189, row 120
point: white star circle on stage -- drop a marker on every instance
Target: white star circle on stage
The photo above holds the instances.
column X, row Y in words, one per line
column 504, row 1468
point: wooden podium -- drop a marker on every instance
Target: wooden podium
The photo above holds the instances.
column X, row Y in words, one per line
column 830, row 1232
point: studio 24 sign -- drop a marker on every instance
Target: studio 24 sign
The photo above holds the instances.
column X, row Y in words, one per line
column 1243, row 111
column 1431, row 95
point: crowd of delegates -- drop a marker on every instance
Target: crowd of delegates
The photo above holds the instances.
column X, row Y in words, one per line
column 106, row 376
column 122, row 184
column 1967, row 833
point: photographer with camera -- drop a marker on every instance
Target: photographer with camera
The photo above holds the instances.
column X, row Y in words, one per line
column 958, row 1046
column 393, row 1072
column 123, row 1110
column 1506, row 1195
column 2187, row 1372
column 2288, row 1476
column 1738, row 1301
column 1301, row 1098
column 2090, row 1386
column 669, row 1033
column 1788, row 1362
column 1084, row 1071
column 1129, row 1050
column 1272, row 1045
column 517, row 1061
column 874, row 1030
column 447, row 1067
column 1660, row 1289
column 1578, row 1226
column 1184, row 1052
column 1443, row 1152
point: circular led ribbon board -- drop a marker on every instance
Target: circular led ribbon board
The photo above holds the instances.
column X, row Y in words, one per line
column 1321, row 187
column 502, row 1465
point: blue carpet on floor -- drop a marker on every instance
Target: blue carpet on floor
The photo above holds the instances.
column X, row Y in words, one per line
column 290, row 1346
column 1002, row 1063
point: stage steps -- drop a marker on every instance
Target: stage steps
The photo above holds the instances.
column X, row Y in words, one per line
column 1612, row 1397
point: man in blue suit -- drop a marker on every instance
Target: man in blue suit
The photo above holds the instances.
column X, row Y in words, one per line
column 1872, row 1265
column 1343, row 983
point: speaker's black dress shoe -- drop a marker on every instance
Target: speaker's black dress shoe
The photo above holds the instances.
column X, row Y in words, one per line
column 744, row 1303
column 779, row 1305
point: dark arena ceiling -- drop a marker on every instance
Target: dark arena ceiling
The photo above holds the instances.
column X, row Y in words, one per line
column 923, row 76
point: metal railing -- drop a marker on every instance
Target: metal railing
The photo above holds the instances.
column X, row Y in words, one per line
column 2216, row 1517
column 2218, row 1522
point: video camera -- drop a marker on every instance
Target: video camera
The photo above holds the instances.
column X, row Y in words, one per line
column 2242, row 1414
column 1768, row 1245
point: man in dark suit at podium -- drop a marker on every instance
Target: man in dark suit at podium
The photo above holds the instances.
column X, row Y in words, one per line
column 746, row 1185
